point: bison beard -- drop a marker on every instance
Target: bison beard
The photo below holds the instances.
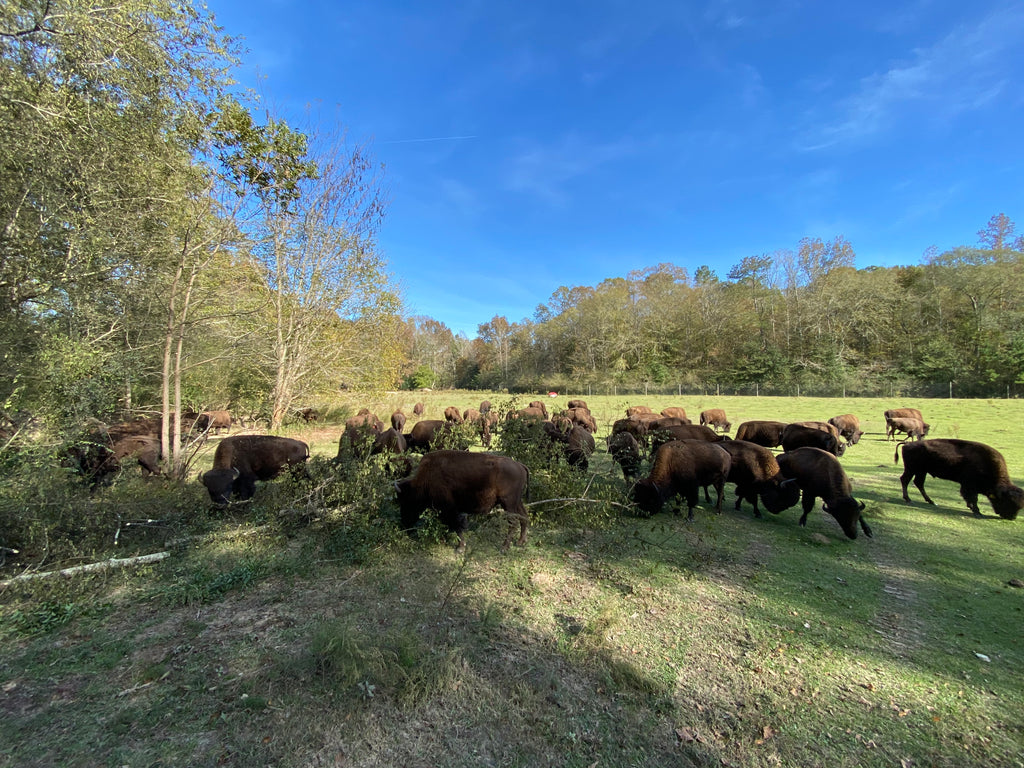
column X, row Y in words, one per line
column 458, row 484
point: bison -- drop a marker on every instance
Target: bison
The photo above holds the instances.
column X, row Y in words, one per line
column 458, row 484
column 900, row 413
column 625, row 450
column 633, row 410
column 240, row 461
column 426, row 435
column 801, row 436
column 214, row 421
column 682, row 467
column 453, row 414
column 714, row 418
column 398, row 419
column 764, row 433
column 661, row 433
column 308, row 415
column 818, row 473
column 581, row 417
column 576, row 443
column 418, row 409
column 359, row 433
column 848, row 426
column 674, row 412
column 578, row 404
column 756, row 472
column 539, row 405
column 913, row 428
column 977, row 467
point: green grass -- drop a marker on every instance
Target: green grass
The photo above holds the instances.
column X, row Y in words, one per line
column 608, row 639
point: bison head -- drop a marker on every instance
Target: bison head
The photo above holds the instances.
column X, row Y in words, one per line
column 409, row 504
column 846, row 510
column 220, row 483
column 779, row 497
column 1007, row 501
column 648, row 497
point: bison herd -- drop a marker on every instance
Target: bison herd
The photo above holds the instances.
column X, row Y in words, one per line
column 684, row 459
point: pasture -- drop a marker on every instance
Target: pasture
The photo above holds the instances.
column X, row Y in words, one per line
column 304, row 629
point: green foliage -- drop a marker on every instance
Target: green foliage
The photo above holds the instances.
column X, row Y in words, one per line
column 422, row 377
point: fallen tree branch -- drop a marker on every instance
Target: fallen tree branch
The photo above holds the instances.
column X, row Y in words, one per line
column 116, row 562
column 574, row 499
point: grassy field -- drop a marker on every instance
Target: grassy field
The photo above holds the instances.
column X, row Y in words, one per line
column 292, row 633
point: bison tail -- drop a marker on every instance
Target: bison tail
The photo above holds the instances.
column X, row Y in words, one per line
column 896, row 456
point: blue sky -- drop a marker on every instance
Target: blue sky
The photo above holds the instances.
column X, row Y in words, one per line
column 531, row 145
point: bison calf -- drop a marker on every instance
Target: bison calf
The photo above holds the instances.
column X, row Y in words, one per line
column 978, row 468
column 458, row 484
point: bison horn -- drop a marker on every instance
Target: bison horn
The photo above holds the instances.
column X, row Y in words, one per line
column 861, row 507
column 235, row 472
column 787, row 483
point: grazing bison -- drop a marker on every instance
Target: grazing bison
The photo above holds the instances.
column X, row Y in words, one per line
column 800, row 436
column 756, row 472
column 914, row 428
column 530, row 412
column 663, row 433
column 453, row 414
column 240, row 461
column 682, row 467
column 819, row 474
column 458, row 484
column 100, row 455
column 636, row 428
column 848, row 426
column 359, row 433
column 821, row 426
column 578, row 404
column 625, row 450
column 674, row 412
column 418, row 409
column 714, row 418
column 571, row 441
column 428, row 434
column 214, row 421
column 539, row 405
column 977, row 467
column 485, row 406
column 765, row 433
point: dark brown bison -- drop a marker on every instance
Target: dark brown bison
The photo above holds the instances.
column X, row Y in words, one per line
column 458, row 484
column 682, row 467
column 661, row 433
column 674, row 412
column 308, row 415
column 848, row 426
column 625, row 450
column 530, row 412
column 240, row 461
column 578, row 404
column 97, row 458
column 359, row 433
column 636, row 428
column 453, row 414
column 574, row 442
column 915, row 429
column 756, row 472
column 214, row 421
column 429, row 434
column 766, row 433
column 820, row 475
column 398, row 419
column 485, row 406
column 714, row 418
column 977, row 467
column 539, row 405
column 800, row 436
column 418, row 409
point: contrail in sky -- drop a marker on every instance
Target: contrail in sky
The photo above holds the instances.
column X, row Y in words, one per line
column 437, row 138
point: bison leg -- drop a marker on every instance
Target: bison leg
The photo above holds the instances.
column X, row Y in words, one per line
column 971, row 497
column 808, row 505
column 720, row 491
column 523, row 518
column 864, row 527
column 919, row 482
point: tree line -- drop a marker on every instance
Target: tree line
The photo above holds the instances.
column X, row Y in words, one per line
column 164, row 243
column 794, row 321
